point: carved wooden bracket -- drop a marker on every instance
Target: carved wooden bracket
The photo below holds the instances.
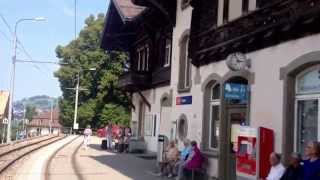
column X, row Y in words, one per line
column 144, row 99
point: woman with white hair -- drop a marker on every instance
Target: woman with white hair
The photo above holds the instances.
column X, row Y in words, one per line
column 183, row 157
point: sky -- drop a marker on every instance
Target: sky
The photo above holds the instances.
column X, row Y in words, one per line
column 40, row 40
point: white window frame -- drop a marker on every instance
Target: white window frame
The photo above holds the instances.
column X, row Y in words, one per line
column 187, row 70
column 296, row 128
column 167, row 59
column 148, row 125
column 214, row 102
column 304, row 97
column 143, row 58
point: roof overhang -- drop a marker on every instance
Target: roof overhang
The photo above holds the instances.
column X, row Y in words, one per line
column 118, row 31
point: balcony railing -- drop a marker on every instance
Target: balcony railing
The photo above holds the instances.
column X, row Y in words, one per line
column 136, row 81
column 133, row 81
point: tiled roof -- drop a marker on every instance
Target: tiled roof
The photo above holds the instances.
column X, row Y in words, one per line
column 4, row 98
column 43, row 120
column 127, row 9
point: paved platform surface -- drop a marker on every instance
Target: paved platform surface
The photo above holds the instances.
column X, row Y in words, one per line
column 62, row 165
column 98, row 164
column 91, row 164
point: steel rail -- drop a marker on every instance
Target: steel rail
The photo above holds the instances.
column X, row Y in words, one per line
column 10, row 161
column 48, row 164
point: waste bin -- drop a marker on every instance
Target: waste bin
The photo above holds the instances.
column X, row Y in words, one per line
column 162, row 144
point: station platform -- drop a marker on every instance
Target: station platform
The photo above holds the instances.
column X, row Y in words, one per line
column 68, row 160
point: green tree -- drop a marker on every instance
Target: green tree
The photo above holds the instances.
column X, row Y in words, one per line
column 30, row 112
column 114, row 114
column 101, row 85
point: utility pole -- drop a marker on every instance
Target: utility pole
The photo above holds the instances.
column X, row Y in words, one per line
column 13, row 70
column 77, row 89
column 24, row 120
column 51, row 117
column 75, row 126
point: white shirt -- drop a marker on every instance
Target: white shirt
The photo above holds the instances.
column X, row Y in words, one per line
column 276, row 172
column 87, row 132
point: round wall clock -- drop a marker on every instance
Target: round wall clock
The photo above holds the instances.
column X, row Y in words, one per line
column 238, row 61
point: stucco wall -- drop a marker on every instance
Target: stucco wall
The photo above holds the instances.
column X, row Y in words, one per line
column 266, row 106
column 154, row 98
column 266, row 91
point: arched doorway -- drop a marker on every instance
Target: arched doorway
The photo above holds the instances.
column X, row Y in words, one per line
column 236, row 99
column 235, row 110
column 165, row 124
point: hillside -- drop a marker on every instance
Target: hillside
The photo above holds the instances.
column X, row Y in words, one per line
column 41, row 103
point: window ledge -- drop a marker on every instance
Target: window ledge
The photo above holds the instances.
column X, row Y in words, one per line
column 210, row 153
column 184, row 90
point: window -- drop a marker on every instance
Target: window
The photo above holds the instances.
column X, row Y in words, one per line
column 150, row 125
column 143, row 58
column 214, row 117
column 167, row 59
column 245, row 6
column 183, row 127
column 185, row 4
column 184, row 66
column 226, row 11
column 307, row 107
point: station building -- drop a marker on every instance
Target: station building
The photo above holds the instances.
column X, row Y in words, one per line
column 200, row 69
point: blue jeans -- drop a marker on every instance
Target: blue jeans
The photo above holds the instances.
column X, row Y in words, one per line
column 180, row 165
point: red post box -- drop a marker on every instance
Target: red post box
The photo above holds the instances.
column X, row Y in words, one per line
column 254, row 146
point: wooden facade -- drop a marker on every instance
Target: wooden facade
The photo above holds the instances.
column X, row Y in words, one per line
column 147, row 34
column 273, row 22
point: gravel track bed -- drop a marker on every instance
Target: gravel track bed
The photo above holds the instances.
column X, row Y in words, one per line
column 11, row 159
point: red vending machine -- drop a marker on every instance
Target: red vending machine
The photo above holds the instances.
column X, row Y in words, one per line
column 254, row 146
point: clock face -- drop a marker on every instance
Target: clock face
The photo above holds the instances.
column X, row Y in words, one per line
column 237, row 62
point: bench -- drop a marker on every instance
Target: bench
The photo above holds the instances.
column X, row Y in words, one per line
column 200, row 173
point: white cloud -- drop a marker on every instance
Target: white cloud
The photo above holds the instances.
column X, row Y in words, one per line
column 62, row 6
column 68, row 11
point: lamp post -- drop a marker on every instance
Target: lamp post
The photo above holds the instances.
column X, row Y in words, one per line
column 75, row 125
column 14, row 57
column 51, row 116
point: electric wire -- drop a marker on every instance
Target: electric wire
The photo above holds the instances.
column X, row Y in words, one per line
column 21, row 46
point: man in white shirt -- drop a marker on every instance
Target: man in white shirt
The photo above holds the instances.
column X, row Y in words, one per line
column 277, row 169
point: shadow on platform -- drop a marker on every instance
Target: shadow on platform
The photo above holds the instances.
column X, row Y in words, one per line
column 129, row 165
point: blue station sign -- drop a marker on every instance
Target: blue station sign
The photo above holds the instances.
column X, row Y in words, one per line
column 184, row 100
column 233, row 91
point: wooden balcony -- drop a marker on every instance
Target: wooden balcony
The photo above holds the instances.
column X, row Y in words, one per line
column 161, row 76
column 133, row 81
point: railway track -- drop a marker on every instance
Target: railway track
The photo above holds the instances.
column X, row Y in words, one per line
column 73, row 159
column 10, row 154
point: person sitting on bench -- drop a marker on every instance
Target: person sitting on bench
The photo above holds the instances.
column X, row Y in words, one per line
column 183, row 158
column 195, row 160
column 171, row 158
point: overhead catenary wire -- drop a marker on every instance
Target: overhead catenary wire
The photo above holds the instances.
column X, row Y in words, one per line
column 22, row 49
column 5, row 36
column 21, row 46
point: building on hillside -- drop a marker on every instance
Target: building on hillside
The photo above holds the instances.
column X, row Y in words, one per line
column 4, row 112
column 40, row 124
column 4, row 103
column 145, row 33
column 249, row 63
